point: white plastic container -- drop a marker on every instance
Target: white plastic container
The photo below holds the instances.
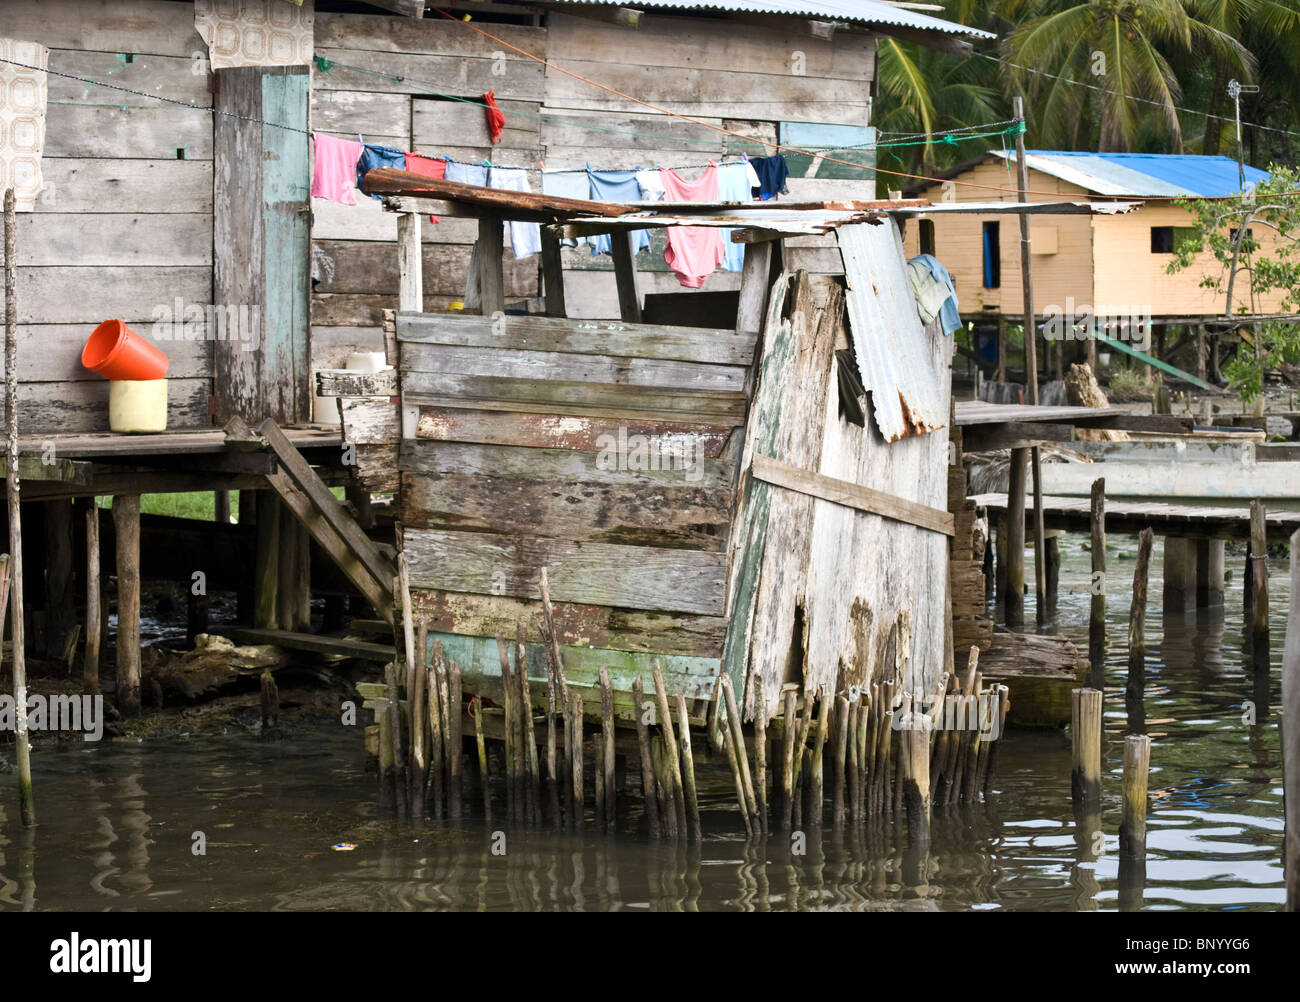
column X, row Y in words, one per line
column 137, row 405
column 325, row 408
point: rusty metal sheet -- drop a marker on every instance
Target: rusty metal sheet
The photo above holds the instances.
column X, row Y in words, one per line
column 894, row 359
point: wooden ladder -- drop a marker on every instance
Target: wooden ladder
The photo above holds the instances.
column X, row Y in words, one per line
column 323, row 515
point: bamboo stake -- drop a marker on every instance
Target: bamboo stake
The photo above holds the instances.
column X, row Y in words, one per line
column 270, row 701
column 94, row 623
column 840, row 751
column 860, row 744
column 915, row 758
column 598, row 779
column 903, row 712
column 648, row 795
column 508, row 703
column 970, row 768
column 476, row 710
column 529, row 725
column 873, row 728
column 738, row 736
column 760, row 750
column 416, row 692
column 734, row 761
column 882, row 760
column 688, row 770
column 552, row 782
column 816, row 778
column 1137, row 649
column 575, row 714
column 455, row 718
column 787, row 758
column 1133, row 826
column 990, row 775
column 434, row 711
column 607, row 737
column 670, row 744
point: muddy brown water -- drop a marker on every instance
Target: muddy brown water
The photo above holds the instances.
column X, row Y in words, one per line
column 297, row 823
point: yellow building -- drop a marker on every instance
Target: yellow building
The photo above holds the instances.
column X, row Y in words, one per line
column 1112, row 265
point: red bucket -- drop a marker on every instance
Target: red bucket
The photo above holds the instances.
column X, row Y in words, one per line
column 117, row 352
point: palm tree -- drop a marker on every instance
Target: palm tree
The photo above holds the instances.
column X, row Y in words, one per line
column 1122, row 49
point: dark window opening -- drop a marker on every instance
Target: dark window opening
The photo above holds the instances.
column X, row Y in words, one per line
column 1162, row 240
column 992, row 257
column 926, row 234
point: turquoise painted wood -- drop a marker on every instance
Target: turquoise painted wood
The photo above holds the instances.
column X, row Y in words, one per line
column 756, row 503
column 478, row 658
column 286, row 189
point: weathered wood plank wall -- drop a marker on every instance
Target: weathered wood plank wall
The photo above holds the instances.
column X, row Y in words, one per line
column 124, row 225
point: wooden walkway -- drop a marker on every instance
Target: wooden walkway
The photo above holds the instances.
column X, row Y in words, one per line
column 108, row 445
column 1074, row 514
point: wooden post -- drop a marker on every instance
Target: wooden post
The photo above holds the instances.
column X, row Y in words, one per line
column 648, row 795
column 487, row 257
column 476, row 709
column 455, row 717
column 94, row 608
column 1085, row 735
column 1291, row 734
column 575, row 716
column 221, row 507
column 670, row 747
column 270, row 702
column 1097, row 586
column 1133, row 823
column 1258, row 587
column 1040, row 537
column 1179, row 593
column 417, row 693
column 1209, row 572
column 436, row 712
column 552, row 778
column 1000, row 373
column 59, row 605
column 410, row 264
column 840, row 751
column 629, row 299
column 915, row 758
column 22, row 747
column 1026, row 275
column 816, row 777
column 513, row 798
column 1137, row 618
column 733, row 759
column 607, row 741
column 1014, row 611
column 126, row 527
column 527, row 724
column 266, row 562
column 1052, row 562
column 688, row 769
column 552, row 275
column 791, row 727
column 738, row 737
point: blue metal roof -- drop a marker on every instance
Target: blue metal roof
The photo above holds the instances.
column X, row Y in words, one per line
column 848, row 11
column 1148, row 175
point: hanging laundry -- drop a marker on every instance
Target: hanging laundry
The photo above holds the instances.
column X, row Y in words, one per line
column 934, row 291
column 733, row 186
column 496, row 120
column 772, row 173
column 525, row 238
column 754, row 181
column 374, row 157
column 334, row 172
column 651, row 185
column 616, row 186
column 427, row 166
column 466, row 173
column 693, row 251
column 567, row 184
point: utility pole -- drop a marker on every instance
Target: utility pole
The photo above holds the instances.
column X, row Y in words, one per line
column 1031, row 364
column 1235, row 90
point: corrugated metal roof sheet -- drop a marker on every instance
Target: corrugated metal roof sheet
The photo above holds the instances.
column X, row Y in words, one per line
column 849, row 11
column 894, row 359
column 1148, row 175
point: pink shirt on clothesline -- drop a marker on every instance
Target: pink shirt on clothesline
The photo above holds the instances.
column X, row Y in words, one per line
column 694, row 252
column 334, row 175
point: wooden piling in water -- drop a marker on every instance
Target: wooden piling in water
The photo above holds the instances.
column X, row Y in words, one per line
column 678, row 797
column 729, row 744
column 94, row 606
column 513, row 807
column 791, row 729
column 1137, row 648
column 1004, row 705
column 598, row 779
column 607, row 741
column 576, row 818
column 528, row 725
column 860, row 738
column 434, row 783
column 914, row 756
column 840, row 747
column 1133, row 824
column 760, row 750
column 816, row 777
column 476, row 710
column 455, row 746
column 1097, row 587
column 126, row 528
column 1258, row 584
column 1014, row 608
column 649, row 795
column 688, row 770
column 1290, row 724
column 738, row 736
column 270, row 702
column 1085, row 743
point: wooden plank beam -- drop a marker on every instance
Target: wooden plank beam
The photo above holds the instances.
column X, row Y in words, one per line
column 629, row 299
column 488, row 266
